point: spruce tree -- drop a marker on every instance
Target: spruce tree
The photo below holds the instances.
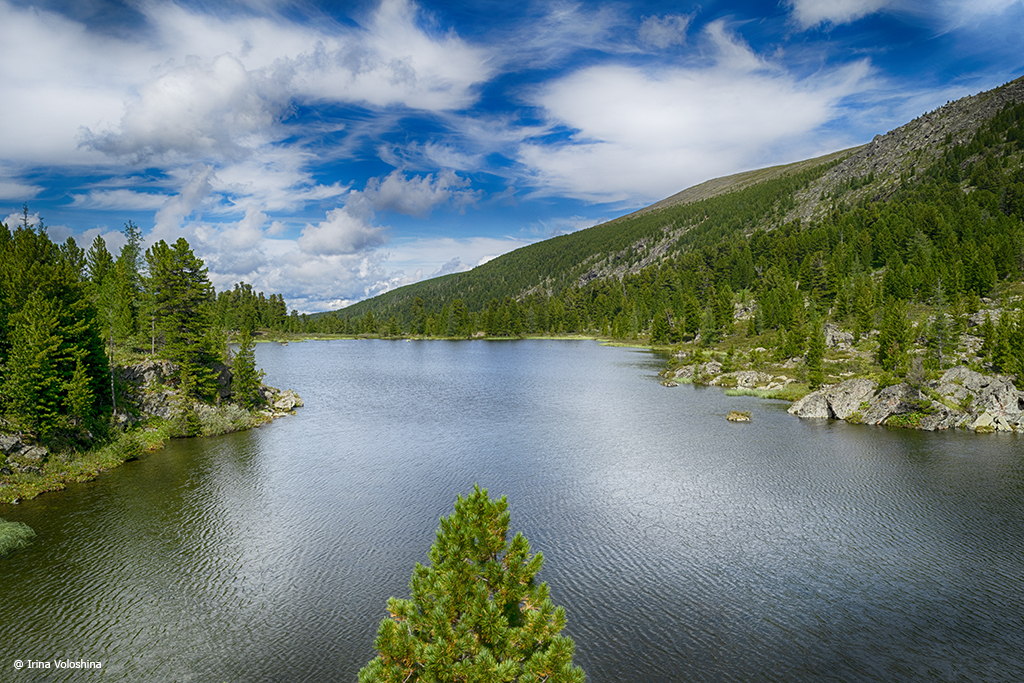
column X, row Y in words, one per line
column 894, row 336
column 476, row 613
column 181, row 298
column 32, row 385
column 245, row 376
column 816, row 354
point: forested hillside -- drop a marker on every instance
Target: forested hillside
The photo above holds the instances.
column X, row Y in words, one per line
column 926, row 220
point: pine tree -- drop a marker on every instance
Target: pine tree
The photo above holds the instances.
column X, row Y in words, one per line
column 476, row 613
column 32, row 383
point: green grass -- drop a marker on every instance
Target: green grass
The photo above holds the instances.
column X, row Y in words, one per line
column 743, row 391
column 792, row 392
column 906, row 420
column 14, row 536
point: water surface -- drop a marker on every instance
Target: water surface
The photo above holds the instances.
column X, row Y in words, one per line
column 684, row 547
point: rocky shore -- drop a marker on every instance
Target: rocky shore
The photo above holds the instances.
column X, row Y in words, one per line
column 960, row 399
column 149, row 386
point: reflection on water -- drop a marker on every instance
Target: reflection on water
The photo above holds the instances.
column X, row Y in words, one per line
column 683, row 547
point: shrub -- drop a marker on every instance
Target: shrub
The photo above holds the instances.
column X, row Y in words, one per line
column 14, row 536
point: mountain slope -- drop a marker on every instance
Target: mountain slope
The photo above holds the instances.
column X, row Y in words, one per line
column 729, row 223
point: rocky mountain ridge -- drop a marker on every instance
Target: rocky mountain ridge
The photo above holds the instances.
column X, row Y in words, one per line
column 903, row 152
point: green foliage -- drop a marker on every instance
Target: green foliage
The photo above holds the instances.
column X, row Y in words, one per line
column 477, row 612
column 894, row 337
column 52, row 368
column 14, row 536
column 181, row 297
column 245, row 376
column 244, row 308
column 816, row 354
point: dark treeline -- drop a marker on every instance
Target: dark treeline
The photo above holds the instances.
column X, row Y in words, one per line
column 68, row 316
column 945, row 239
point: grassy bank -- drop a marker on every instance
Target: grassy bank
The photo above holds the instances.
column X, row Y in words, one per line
column 67, row 468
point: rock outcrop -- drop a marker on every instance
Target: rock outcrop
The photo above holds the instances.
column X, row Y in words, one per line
column 152, row 387
column 962, row 398
column 19, row 456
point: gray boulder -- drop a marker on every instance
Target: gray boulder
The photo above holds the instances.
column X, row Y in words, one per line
column 846, row 398
column 813, row 405
column 835, row 401
column 897, row 399
column 9, row 443
column 287, row 401
column 835, row 337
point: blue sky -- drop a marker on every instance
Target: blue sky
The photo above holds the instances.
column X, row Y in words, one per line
column 330, row 151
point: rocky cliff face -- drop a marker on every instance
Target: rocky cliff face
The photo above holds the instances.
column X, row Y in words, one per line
column 907, row 150
column 961, row 398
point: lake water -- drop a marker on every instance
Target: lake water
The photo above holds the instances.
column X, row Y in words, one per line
column 683, row 547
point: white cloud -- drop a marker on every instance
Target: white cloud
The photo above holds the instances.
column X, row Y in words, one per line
column 106, row 200
column 17, row 190
column 808, row 13
column 346, row 231
column 661, row 32
column 559, row 31
column 392, row 60
column 944, row 15
column 644, row 134
column 440, row 255
column 419, row 195
column 957, row 14
column 18, row 219
column 168, row 220
column 54, row 78
column 201, row 110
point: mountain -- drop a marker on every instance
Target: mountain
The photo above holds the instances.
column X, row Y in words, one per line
column 940, row 188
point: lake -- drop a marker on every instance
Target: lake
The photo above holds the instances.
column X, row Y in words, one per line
column 682, row 546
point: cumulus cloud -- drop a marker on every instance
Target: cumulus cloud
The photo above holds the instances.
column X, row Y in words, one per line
column 418, row 195
column 347, row 230
column 16, row 219
column 393, row 60
column 198, row 111
column 642, row 134
column 661, row 32
column 169, row 218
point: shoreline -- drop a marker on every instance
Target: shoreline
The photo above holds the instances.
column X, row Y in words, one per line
column 144, row 438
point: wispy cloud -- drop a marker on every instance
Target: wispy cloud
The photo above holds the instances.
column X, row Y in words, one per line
column 107, row 200
column 664, row 31
column 809, row 13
